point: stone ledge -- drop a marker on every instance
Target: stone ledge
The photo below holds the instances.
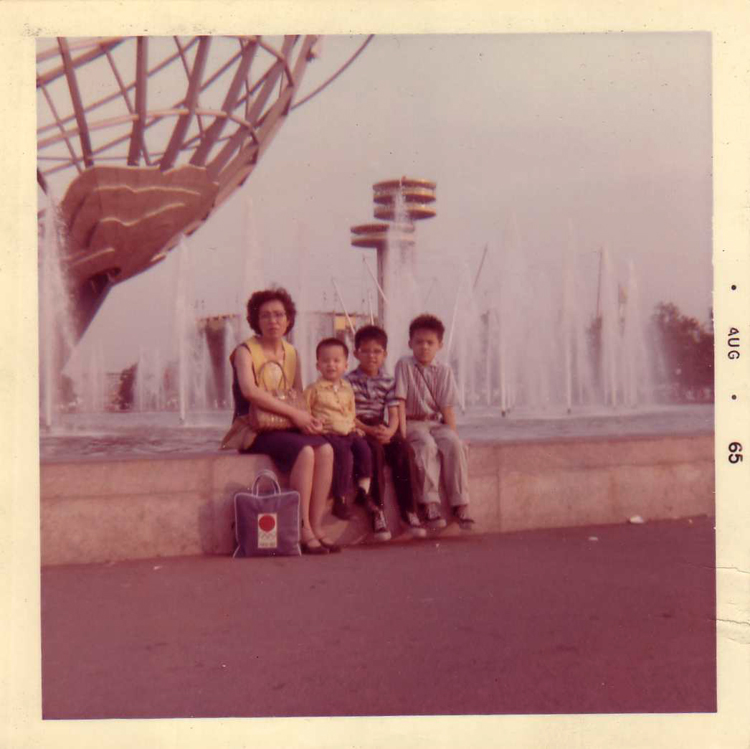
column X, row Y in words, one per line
column 98, row 510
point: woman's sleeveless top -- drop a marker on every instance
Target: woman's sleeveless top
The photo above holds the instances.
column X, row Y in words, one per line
column 270, row 378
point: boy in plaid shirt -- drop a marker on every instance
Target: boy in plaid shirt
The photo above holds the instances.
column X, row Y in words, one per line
column 375, row 399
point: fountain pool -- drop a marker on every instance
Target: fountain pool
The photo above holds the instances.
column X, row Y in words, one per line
column 158, row 433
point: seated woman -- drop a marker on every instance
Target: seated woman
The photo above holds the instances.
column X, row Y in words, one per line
column 300, row 452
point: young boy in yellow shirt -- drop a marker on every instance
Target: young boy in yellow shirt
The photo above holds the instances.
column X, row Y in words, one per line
column 331, row 399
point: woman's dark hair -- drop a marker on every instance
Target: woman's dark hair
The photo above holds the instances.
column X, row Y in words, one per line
column 427, row 322
column 276, row 294
column 327, row 342
column 370, row 333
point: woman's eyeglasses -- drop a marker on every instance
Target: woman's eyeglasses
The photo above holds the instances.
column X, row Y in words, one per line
column 272, row 315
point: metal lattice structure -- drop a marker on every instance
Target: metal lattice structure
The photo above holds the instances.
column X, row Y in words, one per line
column 145, row 136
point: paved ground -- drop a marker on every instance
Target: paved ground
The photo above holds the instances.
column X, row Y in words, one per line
column 533, row 622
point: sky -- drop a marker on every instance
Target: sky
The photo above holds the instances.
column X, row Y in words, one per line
column 559, row 142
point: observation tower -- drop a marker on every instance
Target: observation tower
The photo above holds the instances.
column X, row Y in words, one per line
column 400, row 202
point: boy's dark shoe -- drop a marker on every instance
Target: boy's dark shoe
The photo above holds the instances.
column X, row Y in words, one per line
column 361, row 497
column 465, row 521
column 414, row 525
column 433, row 519
column 341, row 509
column 380, row 526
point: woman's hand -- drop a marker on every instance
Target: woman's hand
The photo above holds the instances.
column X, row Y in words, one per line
column 306, row 422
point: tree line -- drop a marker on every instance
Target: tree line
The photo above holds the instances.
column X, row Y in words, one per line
column 684, row 355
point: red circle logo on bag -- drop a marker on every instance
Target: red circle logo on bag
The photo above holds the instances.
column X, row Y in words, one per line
column 267, row 523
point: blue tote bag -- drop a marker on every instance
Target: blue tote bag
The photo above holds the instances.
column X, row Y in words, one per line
column 268, row 524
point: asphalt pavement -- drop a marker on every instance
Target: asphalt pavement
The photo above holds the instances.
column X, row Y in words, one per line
column 607, row 619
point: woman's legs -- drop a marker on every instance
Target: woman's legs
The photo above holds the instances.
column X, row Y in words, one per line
column 321, row 486
column 301, row 480
column 311, row 477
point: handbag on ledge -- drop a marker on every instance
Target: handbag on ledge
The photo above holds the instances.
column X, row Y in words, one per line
column 244, row 429
column 262, row 420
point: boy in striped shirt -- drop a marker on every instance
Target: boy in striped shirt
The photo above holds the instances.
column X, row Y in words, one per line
column 374, row 398
column 427, row 395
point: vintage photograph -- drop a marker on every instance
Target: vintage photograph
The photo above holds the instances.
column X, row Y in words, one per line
column 376, row 375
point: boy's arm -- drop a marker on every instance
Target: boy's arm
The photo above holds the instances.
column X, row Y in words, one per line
column 309, row 395
column 450, row 397
column 349, row 406
column 364, row 427
column 449, row 417
column 400, row 391
column 394, row 421
column 351, row 409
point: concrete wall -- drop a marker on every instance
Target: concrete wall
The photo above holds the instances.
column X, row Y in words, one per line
column 105, row 509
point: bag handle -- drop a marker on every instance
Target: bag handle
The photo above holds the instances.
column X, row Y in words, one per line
column 283, row 385
column 266, row 474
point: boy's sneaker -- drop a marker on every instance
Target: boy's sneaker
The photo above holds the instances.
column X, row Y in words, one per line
column 380, row 526
column 433, row 519
column 414, row 526
column 465, row 521
column 341, row 509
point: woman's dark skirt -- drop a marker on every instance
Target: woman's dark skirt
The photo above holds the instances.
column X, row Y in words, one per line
column 283, row 446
